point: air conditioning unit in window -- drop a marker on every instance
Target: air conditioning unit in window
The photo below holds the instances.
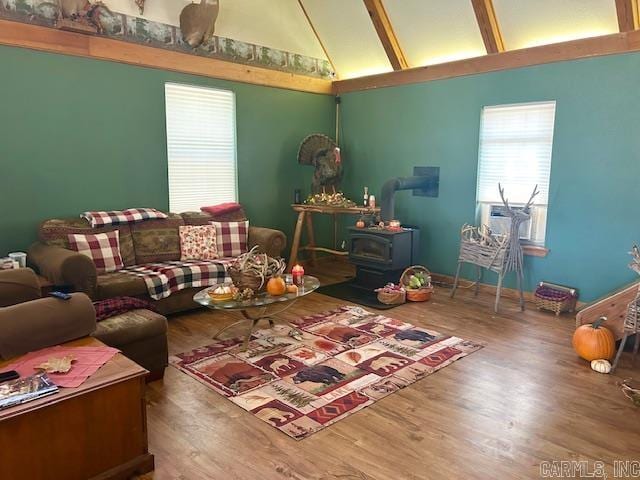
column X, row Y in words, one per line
column 500, row 222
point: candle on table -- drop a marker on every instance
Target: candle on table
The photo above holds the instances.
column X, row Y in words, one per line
column 298, row 273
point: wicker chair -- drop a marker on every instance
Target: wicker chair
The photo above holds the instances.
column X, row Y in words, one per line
column 499, row 253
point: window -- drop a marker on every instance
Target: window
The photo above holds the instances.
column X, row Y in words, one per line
column 201, row 146
column 515, row 151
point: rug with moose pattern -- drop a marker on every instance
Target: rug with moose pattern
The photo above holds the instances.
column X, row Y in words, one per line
column 302, row 378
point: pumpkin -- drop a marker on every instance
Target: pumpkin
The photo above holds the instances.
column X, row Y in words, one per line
column 601, row 366
column 593, row 341
column 276, row 286
column 360, row 224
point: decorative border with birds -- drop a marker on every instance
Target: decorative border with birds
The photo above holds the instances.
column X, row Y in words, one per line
column 160, row 35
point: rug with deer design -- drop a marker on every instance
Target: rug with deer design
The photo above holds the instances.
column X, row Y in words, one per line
column 301, row 378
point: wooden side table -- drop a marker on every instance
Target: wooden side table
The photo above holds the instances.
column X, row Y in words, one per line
column 305, row 217
column 95, row 431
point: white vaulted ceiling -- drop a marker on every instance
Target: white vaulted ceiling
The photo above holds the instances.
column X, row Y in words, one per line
column 435, row 31
column 428, row 31
column 527, row 23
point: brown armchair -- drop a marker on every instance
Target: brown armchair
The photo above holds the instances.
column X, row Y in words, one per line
column 28, row 322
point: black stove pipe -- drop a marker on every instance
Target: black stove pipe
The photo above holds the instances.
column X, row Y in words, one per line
column 389, row 189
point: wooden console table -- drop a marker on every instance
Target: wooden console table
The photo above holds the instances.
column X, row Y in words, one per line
column 95, row 431
column 305, row 216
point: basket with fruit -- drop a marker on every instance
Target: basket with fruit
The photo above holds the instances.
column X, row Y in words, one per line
column 391, row 294
column 417, row 282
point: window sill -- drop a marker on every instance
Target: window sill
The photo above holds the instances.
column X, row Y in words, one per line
column 535, row 251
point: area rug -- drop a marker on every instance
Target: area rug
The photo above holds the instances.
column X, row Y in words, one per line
column 303, row 377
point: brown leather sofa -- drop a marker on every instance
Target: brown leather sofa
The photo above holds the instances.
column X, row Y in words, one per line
column 28, row 322
column 141, row 242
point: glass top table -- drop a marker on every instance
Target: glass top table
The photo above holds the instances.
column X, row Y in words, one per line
column 257, row 308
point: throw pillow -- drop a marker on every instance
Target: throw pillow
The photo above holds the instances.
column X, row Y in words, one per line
column 102, row 248
column 231, row 237
column 118, row 217
column 198, row 242
column 222, row 208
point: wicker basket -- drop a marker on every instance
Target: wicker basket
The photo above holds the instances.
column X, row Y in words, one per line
column 392, row 298
column 416, row 294
column 554, row 300
column 244, row 280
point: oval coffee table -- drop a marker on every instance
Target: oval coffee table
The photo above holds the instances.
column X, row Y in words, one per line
column 257, row 308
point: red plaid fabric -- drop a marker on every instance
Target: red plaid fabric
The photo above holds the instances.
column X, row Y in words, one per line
column 102, row 248
column 115, row 306
column 231, row 237
column 118, row 217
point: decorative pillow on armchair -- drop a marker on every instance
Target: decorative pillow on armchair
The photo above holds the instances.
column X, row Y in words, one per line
column 102, row 248
column 231, row 238
column 198, row 242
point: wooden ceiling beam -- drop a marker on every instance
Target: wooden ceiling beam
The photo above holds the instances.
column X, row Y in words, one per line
column 488, row 25
column 628, row 16
column 48, row 39
column 613, row 44
column 385, row 32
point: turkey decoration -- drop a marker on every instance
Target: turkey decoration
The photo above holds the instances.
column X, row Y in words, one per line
column 323, row 154
column 197, row 21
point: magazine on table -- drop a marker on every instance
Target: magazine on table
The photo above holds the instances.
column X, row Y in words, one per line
column 26, row 389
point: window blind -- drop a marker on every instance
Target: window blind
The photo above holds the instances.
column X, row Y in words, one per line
column 201, row 146
column 515, row 150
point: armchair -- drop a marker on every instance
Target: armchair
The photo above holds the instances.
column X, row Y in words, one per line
column 31, row 322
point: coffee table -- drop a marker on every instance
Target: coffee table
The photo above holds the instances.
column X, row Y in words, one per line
column 261, row 307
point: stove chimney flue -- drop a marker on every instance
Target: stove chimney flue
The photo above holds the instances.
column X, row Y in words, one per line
column 389, row 189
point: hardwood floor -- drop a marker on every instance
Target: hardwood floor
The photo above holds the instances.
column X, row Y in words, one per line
column 523, row 399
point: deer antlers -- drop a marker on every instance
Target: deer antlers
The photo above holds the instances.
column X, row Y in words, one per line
column 527, row 205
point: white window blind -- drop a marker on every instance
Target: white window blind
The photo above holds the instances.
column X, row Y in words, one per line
column 515, row 150
column 201, row 146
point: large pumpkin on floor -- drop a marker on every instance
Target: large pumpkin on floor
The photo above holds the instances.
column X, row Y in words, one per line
column 593, row 341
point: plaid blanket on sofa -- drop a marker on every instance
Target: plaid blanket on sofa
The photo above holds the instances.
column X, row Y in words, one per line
column 165, row 278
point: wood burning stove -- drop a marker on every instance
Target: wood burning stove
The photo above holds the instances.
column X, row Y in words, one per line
column 380, row 255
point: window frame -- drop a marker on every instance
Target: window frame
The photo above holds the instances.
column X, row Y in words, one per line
column 234, row 131
column 530, row 247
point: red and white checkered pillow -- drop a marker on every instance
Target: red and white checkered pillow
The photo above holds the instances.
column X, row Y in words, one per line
column 102, row 248
column 117, row 217
column 231, row 238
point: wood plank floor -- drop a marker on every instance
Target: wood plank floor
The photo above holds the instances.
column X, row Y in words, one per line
column 523, row 399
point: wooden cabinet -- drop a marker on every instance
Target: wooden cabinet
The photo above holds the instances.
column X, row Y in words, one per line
column 95, row 431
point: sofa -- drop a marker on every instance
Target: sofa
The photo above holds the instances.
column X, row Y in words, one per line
column 140, row 243
column 29, row 322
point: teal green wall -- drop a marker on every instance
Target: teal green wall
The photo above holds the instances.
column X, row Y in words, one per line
column 595, row 179
column 79, row 134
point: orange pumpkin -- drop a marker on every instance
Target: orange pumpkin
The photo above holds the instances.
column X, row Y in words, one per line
column 276, row 286
column 593, row 341
column 360, row 223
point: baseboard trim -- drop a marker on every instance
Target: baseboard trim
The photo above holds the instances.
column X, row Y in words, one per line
column 510, row 293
